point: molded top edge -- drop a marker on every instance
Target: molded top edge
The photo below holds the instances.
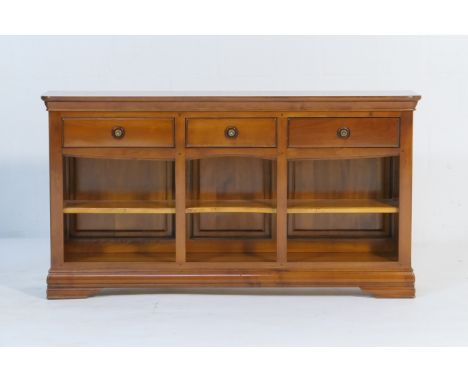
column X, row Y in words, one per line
column 142, row 96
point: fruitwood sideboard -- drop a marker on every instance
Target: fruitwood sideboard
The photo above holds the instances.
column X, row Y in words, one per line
column 205, row 190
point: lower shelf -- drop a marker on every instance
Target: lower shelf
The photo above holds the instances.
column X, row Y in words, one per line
column 345, row 257
column 231, row 257
column 162, row 251
column 120, row 257
column 119, row 250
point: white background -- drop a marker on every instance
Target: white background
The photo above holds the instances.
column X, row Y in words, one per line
column 435, row 67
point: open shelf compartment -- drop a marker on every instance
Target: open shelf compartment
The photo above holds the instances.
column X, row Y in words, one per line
column 123, row 210
column 343, row 210
column 119, row 210
column 230, row 210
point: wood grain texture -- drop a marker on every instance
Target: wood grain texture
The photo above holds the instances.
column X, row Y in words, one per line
column 282, row 194
column 117, row 257
column 397, row 283
column 233, row 206
column 62, row 101
column 138, row 132
column 405, row 189
column 341, row 153
column 70, row 293
column 214, row 152
column 148, row 211
column 232, row 257
column 180, row 191
column 211, row 132
column 363, row 132
column 342, row 206
column 227, row 179
column 112, row 185
column 56, row 190
column 120, row 153
column 342, row 257
column 340, row 179
column 118, row 207
column 406, row 291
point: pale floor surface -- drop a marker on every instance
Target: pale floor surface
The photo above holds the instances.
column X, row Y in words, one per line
column 233, row 317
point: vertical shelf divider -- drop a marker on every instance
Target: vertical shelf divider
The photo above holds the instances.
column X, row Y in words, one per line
column 281, row 192
column 57, row 245
column 180, row 188
column 406, row 160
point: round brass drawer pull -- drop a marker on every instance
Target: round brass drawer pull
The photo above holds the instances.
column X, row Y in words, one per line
column 231, row 132
column 118, row 132
column 343, row 132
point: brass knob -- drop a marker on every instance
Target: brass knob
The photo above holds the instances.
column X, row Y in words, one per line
column 343, row 132
column 118, row 132
column 231, row 132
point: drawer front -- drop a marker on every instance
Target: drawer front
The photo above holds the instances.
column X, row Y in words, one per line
column 344, row 132
column 118, row 132
column 231, row 132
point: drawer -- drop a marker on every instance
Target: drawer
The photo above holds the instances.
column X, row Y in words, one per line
column 118, row 132
column 231, row 132
column 343, row 132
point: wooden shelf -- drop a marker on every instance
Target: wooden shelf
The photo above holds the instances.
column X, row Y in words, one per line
column 112, row 250
column 120, row 257
column 243, row 257
column 118, row 207
column 343, row 257
column 309, row 206
column 216, row 206
column 342, row 206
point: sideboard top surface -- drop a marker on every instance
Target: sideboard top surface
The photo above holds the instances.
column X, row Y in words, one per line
column 220, row 101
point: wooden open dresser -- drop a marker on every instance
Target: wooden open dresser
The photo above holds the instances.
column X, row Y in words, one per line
column 230, row 190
